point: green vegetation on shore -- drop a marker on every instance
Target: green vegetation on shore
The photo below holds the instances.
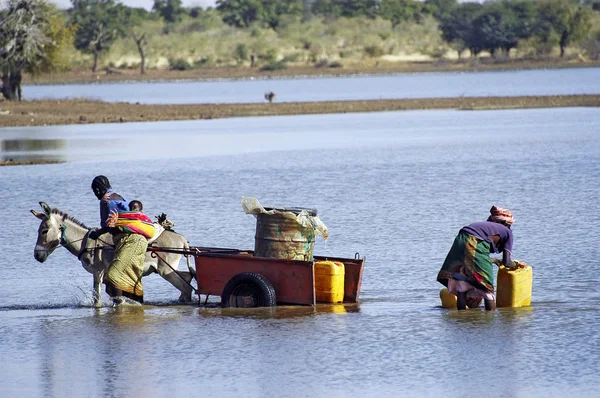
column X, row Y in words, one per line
column 275, row 35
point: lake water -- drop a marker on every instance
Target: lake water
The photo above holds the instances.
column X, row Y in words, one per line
column 416, row 85
column 395, row 187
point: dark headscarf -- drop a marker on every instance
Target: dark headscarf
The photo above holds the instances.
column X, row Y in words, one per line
column 100, row 185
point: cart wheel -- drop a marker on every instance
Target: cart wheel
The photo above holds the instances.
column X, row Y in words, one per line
column 247, row 290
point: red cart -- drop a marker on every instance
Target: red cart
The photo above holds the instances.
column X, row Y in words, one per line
column 243, row 280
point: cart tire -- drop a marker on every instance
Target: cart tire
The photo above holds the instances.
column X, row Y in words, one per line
column 248, row 290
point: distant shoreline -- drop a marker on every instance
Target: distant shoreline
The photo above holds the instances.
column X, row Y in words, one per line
column 62, row 112
column 11, row 162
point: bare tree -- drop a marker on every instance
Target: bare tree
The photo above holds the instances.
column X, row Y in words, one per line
column 141, row 42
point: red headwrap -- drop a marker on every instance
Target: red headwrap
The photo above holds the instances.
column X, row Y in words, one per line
column 501, row 215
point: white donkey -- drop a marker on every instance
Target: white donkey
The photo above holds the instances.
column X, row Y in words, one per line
column 58, row 228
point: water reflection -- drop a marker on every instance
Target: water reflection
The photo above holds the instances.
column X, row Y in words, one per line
column 515, row 315
column 34, row 150
column 116, row 354
column 119, row 343
column 477, row 316
column 29, row 145
column 279, row 312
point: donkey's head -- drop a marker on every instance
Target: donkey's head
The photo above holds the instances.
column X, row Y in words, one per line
column 49, row 233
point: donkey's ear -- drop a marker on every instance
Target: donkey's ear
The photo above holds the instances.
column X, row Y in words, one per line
column 46, row 208
column 39, row 215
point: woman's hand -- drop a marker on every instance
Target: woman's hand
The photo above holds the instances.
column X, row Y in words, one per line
column 497, row 262
column 519, row 264
column 95, row 233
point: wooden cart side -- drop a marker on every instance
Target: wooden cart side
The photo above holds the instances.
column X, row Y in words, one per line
column 353, row 271
column 293, row 280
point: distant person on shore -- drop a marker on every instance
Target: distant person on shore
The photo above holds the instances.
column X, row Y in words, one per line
column 467, row 271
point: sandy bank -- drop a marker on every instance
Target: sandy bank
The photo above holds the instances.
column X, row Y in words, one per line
column 12, row 162
column 45, row 113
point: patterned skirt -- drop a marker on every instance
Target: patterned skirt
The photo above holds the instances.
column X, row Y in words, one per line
column 125, row 271
column 469, row 260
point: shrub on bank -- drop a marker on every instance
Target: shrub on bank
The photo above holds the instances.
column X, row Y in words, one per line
column 374, row 51
column 241, row 52
column 179, row 64
column 273, row 66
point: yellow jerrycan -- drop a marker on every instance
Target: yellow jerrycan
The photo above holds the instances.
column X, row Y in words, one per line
column 448, row 299
column 514, row 287
column 329, row 281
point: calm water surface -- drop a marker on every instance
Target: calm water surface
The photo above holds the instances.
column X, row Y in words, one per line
column 395, row 187
column 417, row 85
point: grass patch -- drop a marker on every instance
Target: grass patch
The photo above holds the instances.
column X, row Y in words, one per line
column 274, row 65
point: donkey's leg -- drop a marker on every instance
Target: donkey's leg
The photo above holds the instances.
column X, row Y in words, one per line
column 181, row 280
column 98, row 276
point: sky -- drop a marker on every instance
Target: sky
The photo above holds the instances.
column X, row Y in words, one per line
column 147, row 4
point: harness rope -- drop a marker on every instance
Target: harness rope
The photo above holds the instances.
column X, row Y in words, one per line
column 155, row 254
column 63, row 242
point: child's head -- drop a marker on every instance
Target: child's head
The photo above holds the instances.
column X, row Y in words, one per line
column 135, row 205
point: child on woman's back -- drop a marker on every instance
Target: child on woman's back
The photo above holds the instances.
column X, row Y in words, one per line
column 135, row 205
